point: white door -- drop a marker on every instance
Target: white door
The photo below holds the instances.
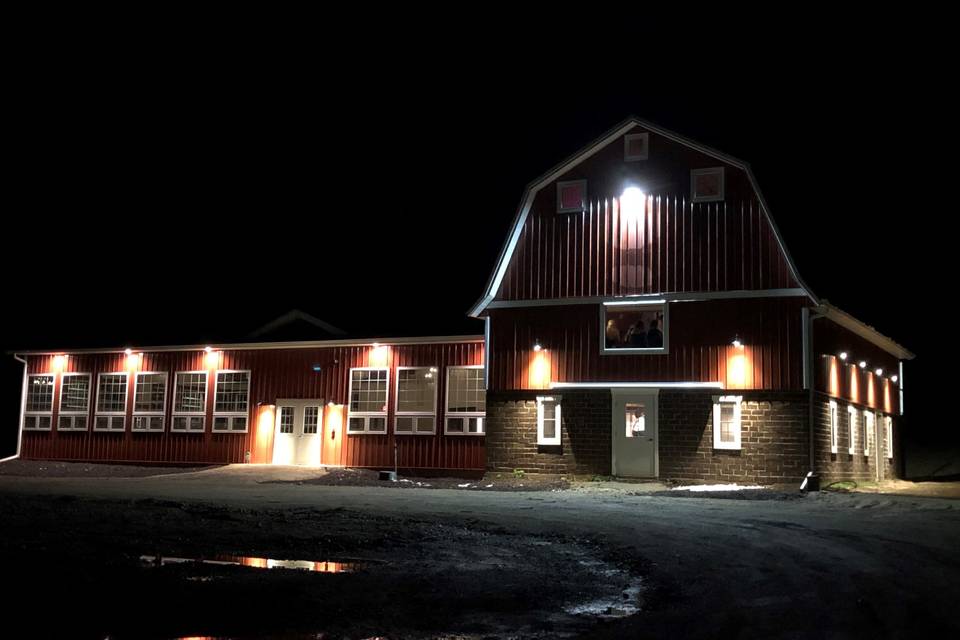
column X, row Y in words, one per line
column 298, row 433
column 635, row 433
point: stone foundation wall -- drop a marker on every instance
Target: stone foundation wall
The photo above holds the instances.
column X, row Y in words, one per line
column 844, row 466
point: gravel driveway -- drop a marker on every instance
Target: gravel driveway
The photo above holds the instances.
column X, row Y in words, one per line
column 447, row 563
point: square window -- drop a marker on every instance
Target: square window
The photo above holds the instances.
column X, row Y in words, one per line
column 571, row 196
column 707, row 185
column 75, row 393
column 636, row 147
column 635, row 328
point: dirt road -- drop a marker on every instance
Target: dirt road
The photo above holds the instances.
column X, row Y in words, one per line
column 443, row 563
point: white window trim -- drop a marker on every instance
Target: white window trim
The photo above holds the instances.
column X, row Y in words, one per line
column 150, row 414
column 737, row 417
column 888, row 436
column 230, row 415
column 366, row 415
column 541, row 438
column 694, row 173
column 73, row 415
column 481, row 416
column 53, row 397
column 834, row 427
column 583, row 203
column 626, row 146
column 851, row 429
column 111, row 415
column 868, row 426
column 665, row 349
column 190, row 414
column 415, row 414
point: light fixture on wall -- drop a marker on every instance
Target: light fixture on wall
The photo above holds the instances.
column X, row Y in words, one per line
column 537, row 346
column 317, row 368
column 633, row 202
column 843, row 355
column 736, row 342
column 878, row 371
column 59, row 363
column 894, row 378
column 207, row 349
column 128, row 352
column 863, row 364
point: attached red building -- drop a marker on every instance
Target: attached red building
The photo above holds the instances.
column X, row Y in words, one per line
column 644, row 318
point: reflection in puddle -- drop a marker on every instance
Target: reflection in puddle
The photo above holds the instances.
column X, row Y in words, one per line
column 256, row 563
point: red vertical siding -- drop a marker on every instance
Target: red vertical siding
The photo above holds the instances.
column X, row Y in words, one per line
column 275, row 374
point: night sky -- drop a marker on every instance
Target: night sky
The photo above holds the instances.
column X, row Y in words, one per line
column 157, row 207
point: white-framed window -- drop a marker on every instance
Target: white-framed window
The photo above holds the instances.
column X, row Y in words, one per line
column 416, row 400
column 636, row 146
column 868, row 422
column 38, row 407
column 571, row 196
column 231, row 401
column 149, row 401
column 466, row 401
column 189, row 401
column 707, row 185
column 74, row 402
column 634, row 327
column 834, row 426
column 851, row 429
column 888, row 436
column 726, row 422
column 311, row 420
column 548, row 420
column 368, row 400
column 111, row 401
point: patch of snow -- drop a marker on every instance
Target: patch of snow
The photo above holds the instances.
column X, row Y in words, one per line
column 464, row 486
column 489, row 485
column 716, row 487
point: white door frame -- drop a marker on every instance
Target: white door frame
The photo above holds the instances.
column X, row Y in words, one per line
column 652, row 396
column 299, row 405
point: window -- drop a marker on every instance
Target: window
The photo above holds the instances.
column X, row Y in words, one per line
column 189, row 401
column 231, row 401
column 851, row 428
column 706, row 185
column 466, row 404
column 834, row 426
column 867, row 432
column 416, row 400
column 311, row 419
column 111, row 402
column 38, row 409
column 636, row 146
column 726, row 422
column 571, row 196
column 74, row 402
column 149, row 401
column 286, row 419
column 368, row 400
column 635, row 419
column 634, row 327
column 888, row 436
column 548, row 420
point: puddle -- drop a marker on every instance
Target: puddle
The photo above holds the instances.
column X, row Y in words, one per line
column 626, row 602
column 256, row 563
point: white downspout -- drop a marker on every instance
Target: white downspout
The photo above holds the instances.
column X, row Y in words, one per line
column 23, row 406
column 808, row 375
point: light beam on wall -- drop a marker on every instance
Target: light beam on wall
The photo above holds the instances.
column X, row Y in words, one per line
column 633, row 202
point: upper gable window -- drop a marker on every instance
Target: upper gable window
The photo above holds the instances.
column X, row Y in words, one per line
column 634, row 327
column 636, row 146
column 571, row 196
column 706, row 185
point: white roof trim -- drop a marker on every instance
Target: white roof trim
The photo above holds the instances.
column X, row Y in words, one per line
column 863, row 330
column 256, row 346
column 526, row 202
column 636, row 385
column 652, row 298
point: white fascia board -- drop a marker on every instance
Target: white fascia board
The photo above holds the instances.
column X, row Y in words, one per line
column 636, row 385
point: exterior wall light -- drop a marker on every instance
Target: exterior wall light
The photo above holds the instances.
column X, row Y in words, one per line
column 537, row 346
column 843, row 355
column 878, row 371
column 863, row 364
column 736, row 342
column 208, row 349
column 632, row 202
column 128, row 352
column 894, row 379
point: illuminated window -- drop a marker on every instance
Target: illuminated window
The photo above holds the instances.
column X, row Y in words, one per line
column 74, row 402
column 149, row 401
column 311, row 420
column 231, row 401
column 548, row 420
column 286, row 419
column 868, row 425
column 726, row 422
column 368, row 400
column 635, row 419
column 634, row 328
column 706, row 185
column 111, row 402
column 851, row 429
column 189, row 401
column 571, row 196
column 834, row 426
column 416, row 400
column 39, row 403
column 888, row 436
column 466, row 404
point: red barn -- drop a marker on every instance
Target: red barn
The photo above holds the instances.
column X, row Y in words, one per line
column 644, row 319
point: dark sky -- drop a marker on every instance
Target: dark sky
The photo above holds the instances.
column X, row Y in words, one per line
column 168, row 202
